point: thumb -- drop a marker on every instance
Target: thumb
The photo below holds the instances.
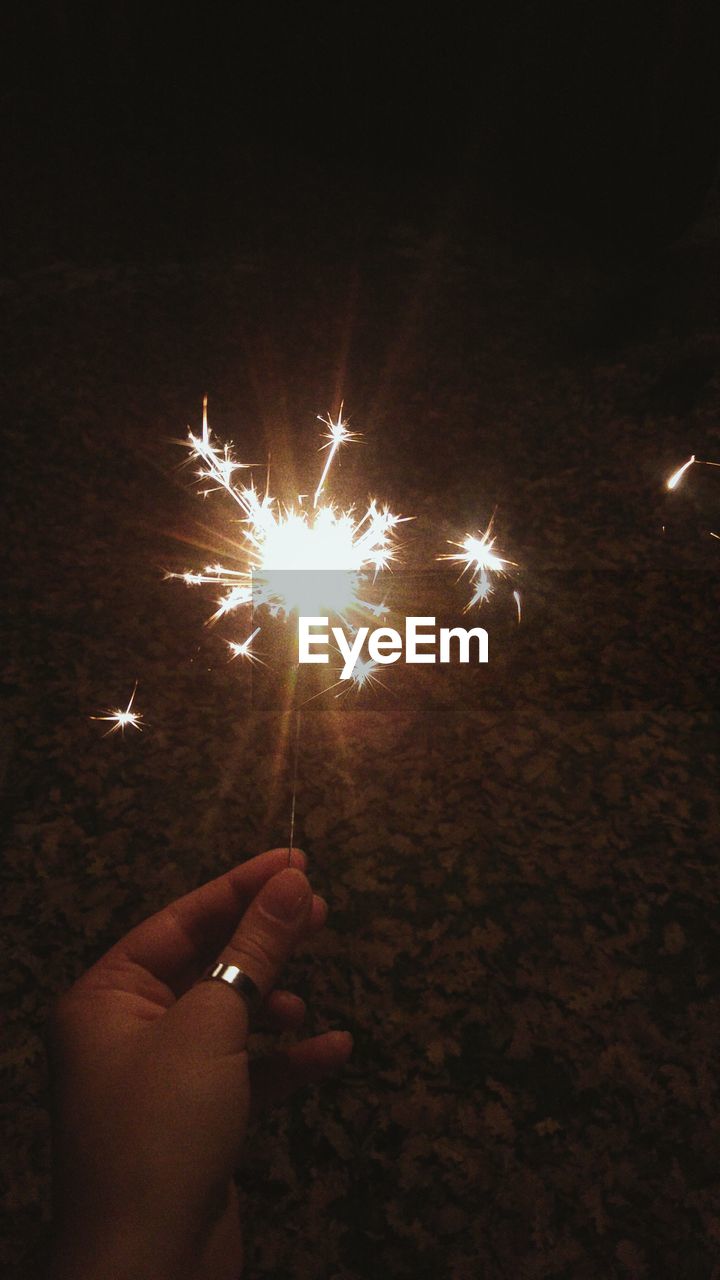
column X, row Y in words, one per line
column 216, row 1017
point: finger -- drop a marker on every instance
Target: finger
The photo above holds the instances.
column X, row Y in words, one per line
column 319, row 913
column 282, row 1011
column 266, row 936
column 177, row 944
column 274, row 1078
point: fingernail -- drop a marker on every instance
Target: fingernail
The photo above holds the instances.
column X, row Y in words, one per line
column 286, row 894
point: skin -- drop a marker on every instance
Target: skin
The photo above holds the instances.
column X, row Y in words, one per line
column 152, row 1087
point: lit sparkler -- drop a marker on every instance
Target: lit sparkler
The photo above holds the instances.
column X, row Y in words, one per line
column 279, row 539
column 121, row 720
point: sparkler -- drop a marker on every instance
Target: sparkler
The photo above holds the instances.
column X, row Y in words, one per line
column 277, row 539
column 121, row 720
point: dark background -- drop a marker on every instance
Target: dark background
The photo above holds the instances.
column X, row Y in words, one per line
column 496, row 234
column 602, row 117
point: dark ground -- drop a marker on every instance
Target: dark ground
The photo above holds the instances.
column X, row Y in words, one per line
column 521, row 866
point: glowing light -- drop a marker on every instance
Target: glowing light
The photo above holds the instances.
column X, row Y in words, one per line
column 122, row 720
column 518, row 602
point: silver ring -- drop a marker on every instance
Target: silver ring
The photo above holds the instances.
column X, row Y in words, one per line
column 238, row 980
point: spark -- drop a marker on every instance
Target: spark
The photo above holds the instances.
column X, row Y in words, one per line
column 363, row 674
column 337, row 434
column 243, row 648
column 362, row 677
column 482, row 589
column 477, row 554
column 676, row 476
column 518, row 602
column 123, row 719
column 378, row 610
column 337, row 550
column 479, row 559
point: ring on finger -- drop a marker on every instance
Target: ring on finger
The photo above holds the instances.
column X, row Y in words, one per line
column 240, row 982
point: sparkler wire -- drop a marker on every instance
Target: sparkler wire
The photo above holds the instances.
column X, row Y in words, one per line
column 296, row 759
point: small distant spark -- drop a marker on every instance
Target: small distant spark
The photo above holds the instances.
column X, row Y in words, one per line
column 123, row 719
column 482, row 589
column 243, row 649
column 518, row 602
column 478, row 558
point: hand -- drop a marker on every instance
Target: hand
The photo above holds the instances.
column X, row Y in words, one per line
column 152, row 1087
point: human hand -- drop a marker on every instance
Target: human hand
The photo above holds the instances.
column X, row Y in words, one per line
column 152, row 1086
